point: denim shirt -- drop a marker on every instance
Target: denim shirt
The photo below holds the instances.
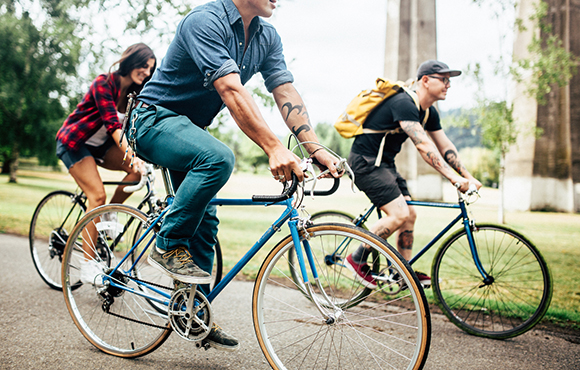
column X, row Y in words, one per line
column 209, row 44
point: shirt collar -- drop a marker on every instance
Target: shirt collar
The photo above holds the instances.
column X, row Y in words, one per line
column 233, row 15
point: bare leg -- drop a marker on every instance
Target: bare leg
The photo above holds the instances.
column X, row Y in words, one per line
column 87, row 177
column 396, row 213
column 405, row 236
column 113, row 161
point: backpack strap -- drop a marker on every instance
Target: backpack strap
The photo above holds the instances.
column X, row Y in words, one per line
column 398, row 130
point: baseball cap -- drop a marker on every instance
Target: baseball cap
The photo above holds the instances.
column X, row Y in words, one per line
column 435, row 66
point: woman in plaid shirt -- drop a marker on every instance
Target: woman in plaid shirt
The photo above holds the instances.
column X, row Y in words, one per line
column 90, row 136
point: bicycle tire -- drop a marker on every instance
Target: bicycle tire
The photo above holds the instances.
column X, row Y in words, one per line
column 513, row 303
column 292, row 333
column 51, row 224
column 96, row 310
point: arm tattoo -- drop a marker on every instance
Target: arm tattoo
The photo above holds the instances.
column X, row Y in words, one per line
column 298, row 130
column 412, row 130
column 435, row 160
column 405, row 240
column 305, row 127
column 452, row 158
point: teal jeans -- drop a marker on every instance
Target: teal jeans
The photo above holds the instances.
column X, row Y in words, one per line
column 199, row 165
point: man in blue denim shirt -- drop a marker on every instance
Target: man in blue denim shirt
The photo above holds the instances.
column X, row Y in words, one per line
column 216, row 50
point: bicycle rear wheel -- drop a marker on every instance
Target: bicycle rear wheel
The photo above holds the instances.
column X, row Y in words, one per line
column 334, row 216
column 333, row 265
column 509, row 304
column 51, row 224
column 380, row 332
column 127, row 316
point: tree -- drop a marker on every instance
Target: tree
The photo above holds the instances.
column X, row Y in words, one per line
column 37, row 58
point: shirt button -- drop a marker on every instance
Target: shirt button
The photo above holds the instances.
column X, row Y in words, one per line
column 240, row 44
column 244, row 67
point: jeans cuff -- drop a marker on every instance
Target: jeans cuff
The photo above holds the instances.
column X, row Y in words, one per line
column 168, row 244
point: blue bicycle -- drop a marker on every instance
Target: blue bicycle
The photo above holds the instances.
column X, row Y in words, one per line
column 303, row 313
column 488, row 279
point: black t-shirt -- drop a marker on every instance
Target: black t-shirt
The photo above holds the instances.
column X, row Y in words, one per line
column 386, row 116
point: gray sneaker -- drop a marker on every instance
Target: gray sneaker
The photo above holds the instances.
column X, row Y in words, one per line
column 219, row 339
column 178, row 264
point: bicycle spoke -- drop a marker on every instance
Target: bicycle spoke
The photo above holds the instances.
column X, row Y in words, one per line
column 515, row 297
column 379, row 331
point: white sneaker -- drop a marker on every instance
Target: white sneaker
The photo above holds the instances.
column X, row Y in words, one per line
column 110, row 226
column 92, row 273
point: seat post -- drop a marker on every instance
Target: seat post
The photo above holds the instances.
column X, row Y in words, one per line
column 167, row 182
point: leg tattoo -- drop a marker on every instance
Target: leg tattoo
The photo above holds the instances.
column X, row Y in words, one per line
column 405, row 240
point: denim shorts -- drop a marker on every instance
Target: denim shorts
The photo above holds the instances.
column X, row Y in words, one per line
column 381, row 184
column 70, row 157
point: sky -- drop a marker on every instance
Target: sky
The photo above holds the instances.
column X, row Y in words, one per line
column 335, row 49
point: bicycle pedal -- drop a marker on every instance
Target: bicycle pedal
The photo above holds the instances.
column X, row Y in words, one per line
column 203, row 345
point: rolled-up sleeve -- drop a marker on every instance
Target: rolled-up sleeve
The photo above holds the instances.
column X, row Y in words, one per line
column 277, row 79
column 205, row 40
column 228, row 67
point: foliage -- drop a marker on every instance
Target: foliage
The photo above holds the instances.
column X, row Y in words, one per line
column 461, row 129
column 327, row 135
column 482, row 163
column 550, row 63
column 38, row 55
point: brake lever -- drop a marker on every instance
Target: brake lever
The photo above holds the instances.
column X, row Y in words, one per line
column 307, row 167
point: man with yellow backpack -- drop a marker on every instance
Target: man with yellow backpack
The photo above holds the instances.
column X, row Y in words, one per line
column 405, row 114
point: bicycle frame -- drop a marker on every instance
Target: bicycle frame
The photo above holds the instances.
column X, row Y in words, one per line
column 288, row 213
column 463, row 215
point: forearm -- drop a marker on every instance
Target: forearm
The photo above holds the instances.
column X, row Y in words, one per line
column 295, row 115
column 428, row 150
column 451, row 156
column 117, row 138
column 247, row 116
column 431, row 155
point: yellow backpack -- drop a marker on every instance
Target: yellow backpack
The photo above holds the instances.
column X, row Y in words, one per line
column 350, row 123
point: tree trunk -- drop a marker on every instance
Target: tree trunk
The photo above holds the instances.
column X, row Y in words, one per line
column 14, row 161
column 500, row 209
column 6, row 164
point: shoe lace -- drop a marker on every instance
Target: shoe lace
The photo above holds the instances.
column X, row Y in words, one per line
column 181, row 255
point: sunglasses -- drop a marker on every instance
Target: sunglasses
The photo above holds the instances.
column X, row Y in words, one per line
column 445, row 80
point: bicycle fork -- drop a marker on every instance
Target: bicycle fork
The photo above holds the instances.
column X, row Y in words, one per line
column 329, row 317
column 468, row 226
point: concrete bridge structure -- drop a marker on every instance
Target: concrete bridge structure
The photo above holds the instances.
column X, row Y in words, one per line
column 541, row 173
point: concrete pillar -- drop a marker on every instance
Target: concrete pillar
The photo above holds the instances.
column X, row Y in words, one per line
column 574, row 24
column 412, row 39
column 539, row 172
column 520, row 159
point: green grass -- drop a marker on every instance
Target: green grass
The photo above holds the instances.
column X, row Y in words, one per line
column 555, row 234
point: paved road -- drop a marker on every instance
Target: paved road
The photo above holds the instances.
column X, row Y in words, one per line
column 37, row 332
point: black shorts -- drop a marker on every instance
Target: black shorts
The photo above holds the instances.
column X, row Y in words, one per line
column 381, row 184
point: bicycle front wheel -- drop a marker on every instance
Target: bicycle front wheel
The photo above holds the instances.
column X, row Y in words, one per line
column 126, row 315
column 51, row 224
column 297, row 332
column 511, row 301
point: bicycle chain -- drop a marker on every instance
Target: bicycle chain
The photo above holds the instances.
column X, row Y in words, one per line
column 140, row 322
column 106, row 309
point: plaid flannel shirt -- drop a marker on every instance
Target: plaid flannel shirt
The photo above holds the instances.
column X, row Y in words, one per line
column 97, row 108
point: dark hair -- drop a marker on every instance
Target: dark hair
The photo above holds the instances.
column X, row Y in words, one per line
column 135, row 56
